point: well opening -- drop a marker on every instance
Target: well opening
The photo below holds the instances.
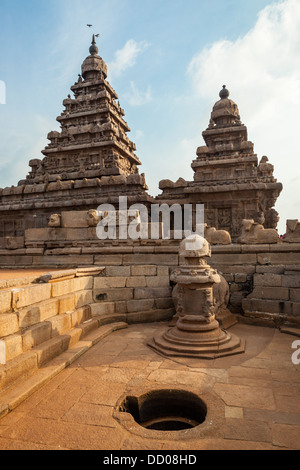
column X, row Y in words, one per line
column 166, row 410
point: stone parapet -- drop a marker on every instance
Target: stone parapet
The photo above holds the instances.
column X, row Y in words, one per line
column 50, row 314
column 130, row 266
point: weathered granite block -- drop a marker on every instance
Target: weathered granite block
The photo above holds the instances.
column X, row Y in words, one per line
column 113, row 271
column 102, row 308
column 36, row 313
column 10, row 347
column 136, row 281
column 80, row 315
column 19, row 367
column 152, row 292
column 295, row 295
column 36, row 335
column 8, row 324
column 60, row 324
column 140, row 305
column 74, row 219
column 84, row 297
column 291, row 281
column 158, row 281
column 29, row 295
column 66, row 303
column 107, row 282
column 112, row 294
column 268, row 280
column 144, row 270
column 5, row 301
column 271, row 293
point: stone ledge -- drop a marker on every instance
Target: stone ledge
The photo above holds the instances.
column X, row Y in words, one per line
column 274, row 320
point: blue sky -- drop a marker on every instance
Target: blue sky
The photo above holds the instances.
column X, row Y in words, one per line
column 167, row 60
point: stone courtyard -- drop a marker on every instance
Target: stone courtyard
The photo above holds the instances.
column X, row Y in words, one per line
column 124, row 343
column 253, row 397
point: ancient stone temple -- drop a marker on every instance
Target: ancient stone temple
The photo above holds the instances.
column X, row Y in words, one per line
column 164, row 338
column 88, row 162
column 228, row 179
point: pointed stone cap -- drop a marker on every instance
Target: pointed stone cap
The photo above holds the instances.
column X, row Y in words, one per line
column 93, row 48
column 224, row 93
column 93, row 63
column 225, row 112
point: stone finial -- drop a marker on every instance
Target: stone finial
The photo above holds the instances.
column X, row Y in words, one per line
column 197, row 333
column 224, row 93
column 193, row 248
column 93, row 48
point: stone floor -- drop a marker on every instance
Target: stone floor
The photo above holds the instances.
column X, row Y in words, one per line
column 252, row 399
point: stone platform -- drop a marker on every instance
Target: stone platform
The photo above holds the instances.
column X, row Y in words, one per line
column 252, row 398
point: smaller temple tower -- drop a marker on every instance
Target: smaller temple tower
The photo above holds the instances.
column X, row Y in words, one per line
column 228, row 179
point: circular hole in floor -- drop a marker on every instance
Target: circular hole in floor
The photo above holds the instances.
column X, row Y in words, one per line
column 166, row 410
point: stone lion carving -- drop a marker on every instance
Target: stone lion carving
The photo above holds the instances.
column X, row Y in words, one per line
column 54, row 220
column 292, row 231
column 253, row 233
column 216, row 237
column 53, row 136
column 93, row 218
column 264, row 167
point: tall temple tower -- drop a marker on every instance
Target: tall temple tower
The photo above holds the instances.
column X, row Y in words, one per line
column 91, row 160
column 228, row 179
column 93, row 135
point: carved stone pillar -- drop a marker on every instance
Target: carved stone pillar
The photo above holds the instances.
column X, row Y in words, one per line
column 197, row 333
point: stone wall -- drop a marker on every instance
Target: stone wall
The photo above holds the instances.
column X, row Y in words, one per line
column 137, row 272
column 40, row 318
column 263, row 279
column 140, row 292
column 276, row 296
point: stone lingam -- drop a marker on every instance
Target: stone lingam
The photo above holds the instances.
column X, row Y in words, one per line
column 197, row 333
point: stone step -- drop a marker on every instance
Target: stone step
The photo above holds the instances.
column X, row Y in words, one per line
column 25, row 339
column 290, row 331
column 271, row 306
column 27, row 363
column 12, row 397
column 265, row 318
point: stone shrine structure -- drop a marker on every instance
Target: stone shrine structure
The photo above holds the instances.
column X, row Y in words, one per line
column 49, row 219
column 197, row 333
column 228, row 179
column 89, row 162
column 76, row 288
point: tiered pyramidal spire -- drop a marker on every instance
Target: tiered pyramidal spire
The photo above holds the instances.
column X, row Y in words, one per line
column 93, row 138
column 228, row 178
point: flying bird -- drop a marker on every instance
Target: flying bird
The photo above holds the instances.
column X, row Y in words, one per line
column 89, row 25
column 97, row 35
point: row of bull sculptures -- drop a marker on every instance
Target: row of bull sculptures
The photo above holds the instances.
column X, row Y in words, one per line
column 251, row 231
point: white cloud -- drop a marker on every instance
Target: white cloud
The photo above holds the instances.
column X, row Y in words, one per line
column 136, row 97
column 126, row 57
column 262, row 72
